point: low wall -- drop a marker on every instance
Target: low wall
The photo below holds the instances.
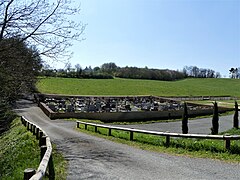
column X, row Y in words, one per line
column 178, row 98
column 46, row 110
column 127, row 116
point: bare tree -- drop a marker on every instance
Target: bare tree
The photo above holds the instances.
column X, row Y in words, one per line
column 234, row 73
column 41, row 23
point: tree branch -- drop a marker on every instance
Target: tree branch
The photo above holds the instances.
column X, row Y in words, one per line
column 4, row 24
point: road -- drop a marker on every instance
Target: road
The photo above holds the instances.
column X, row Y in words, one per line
column 196, row 126
column 91, row 157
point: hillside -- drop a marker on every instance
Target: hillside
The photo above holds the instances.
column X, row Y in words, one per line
column 187, row 87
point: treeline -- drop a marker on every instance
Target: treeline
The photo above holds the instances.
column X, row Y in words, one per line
column 111, row 70
column 152, row 74
column 195, row 72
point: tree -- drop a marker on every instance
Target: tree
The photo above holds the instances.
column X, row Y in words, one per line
column 19, row 68
column 109, row 68
column 203, row 73
column 78, row 70
column 218, row 75
column 41, row 23
column 185, row 119
column 96, row 69
column 215, row 119
column 234, row 72
column 235, row 117
column 210, row 73
column 30, row 29
column 238, row 72
column 194, row 71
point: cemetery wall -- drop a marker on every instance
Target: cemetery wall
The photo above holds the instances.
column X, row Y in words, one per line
column 127, row 116
column 46, row 110
column 179, row 98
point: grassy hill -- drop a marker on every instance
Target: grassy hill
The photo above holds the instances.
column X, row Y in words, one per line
column 187, row 87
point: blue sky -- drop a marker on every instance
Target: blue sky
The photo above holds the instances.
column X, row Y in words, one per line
column 160, row 34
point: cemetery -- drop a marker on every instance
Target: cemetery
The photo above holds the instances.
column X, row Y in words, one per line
column 119, row 108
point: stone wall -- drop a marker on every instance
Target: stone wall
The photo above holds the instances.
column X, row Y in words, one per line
column 127, row 116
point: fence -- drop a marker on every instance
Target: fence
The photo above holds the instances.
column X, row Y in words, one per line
column 227, row 138
column 46, row 153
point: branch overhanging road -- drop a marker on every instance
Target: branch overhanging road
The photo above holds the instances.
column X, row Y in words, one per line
column 91, row 157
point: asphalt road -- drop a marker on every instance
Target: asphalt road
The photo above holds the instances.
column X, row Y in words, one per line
column 91, row 157
column 196, row 126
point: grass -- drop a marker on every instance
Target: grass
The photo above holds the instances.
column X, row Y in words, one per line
column 19, row 150
column 187, row 87
column 213, row 149
column 221, row 103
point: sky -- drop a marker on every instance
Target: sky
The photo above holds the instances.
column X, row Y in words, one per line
column 163, row 34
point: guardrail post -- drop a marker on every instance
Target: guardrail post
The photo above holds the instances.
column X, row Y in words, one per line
column 77, row 124
column 167, row 141
column 37, row 133
column 95, row 128
column 51, row 168
column 28, row 126
column 131, row 135
column 85, row 126
column 28, row 173
column 109, row 132
column 227, row 144
column 22, row 120
column 42, row 141
column 40, row 137
column 40, row 134
column 31, row 127
column 34, row 130
column 43, row 150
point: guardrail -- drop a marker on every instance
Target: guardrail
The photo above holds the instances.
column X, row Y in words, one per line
column 46, row 153
column 226, row 138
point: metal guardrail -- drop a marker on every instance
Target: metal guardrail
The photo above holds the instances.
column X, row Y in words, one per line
column 46, row 153
column 226, row 138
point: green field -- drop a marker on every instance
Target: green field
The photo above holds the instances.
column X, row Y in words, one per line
column 187, row 87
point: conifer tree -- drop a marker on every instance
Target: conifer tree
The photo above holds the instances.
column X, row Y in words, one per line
column 185, row 119
column 235, row 117
column 215, row 119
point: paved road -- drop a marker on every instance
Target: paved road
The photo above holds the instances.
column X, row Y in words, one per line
column 198, row 126
column 95, row 158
